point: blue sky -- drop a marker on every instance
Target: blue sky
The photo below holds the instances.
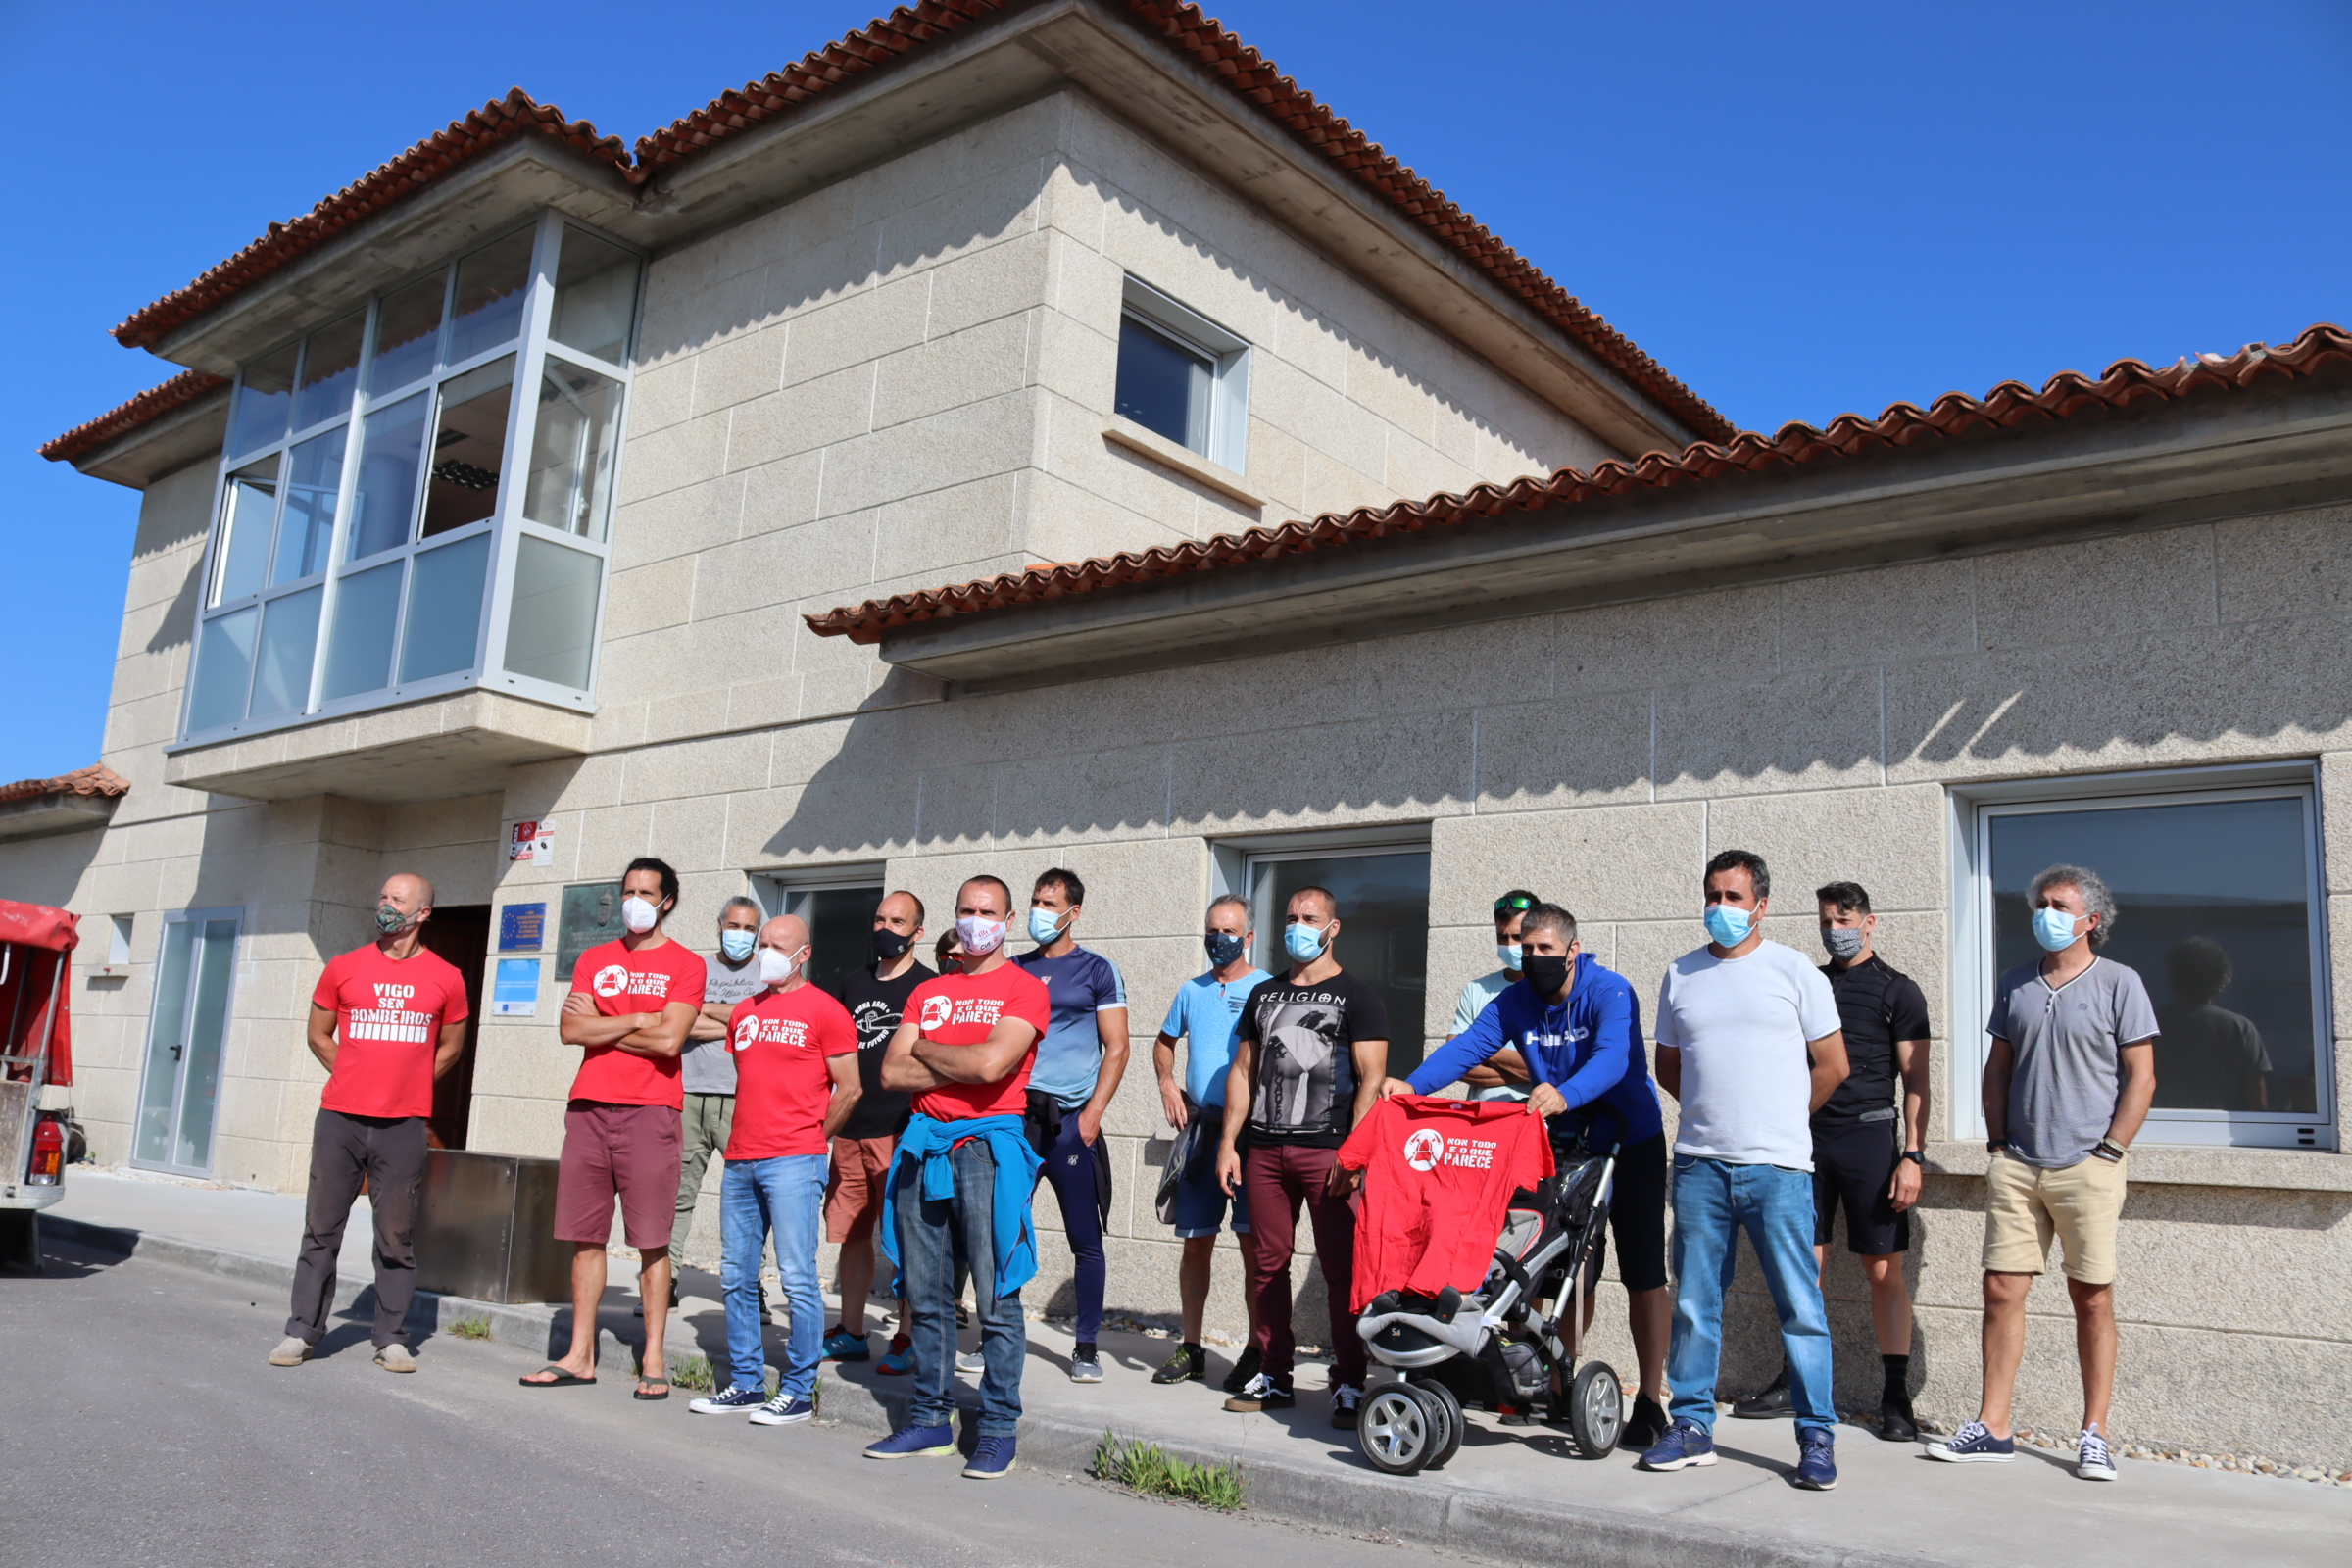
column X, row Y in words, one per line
column 1800, row 211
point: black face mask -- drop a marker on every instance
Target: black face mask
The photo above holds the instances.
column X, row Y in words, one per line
column 1548, row 972
column 889, row 944
column 1223, row 948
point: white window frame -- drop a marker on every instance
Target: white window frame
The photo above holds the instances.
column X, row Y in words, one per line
column 1974, row 808
column 786, row 892
column 241, row 948
column 531, row 348
column 1228, row 355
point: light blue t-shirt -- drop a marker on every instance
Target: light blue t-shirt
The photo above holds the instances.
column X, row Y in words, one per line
column 1069, row 1059
column 1209, row 1016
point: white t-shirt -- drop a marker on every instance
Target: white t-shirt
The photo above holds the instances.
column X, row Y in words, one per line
column 1741, row 1025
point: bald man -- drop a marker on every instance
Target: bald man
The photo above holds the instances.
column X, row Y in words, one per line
column 795, row 1051
column 387, row 1020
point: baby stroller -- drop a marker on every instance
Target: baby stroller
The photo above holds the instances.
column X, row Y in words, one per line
column 1499, row 1346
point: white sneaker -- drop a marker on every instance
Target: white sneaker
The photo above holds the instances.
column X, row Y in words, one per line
column 291, row 1352
column 2092, row 1460
column 396, row 1359
column 973, row 1361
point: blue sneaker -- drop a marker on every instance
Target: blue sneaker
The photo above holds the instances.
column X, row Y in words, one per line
column 915, row 1443
column 1685, row 1444
column 898, row 1364
column 1974, row 1444
column 1816, row 1460
column 991, row 1460
column 782, row 1411
column 842, row 1345
column 729, row 1398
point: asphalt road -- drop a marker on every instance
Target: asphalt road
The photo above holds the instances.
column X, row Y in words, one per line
column 141, row 1425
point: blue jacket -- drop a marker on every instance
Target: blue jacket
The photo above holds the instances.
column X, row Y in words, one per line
column 928, row 1142
column 1589, row 1048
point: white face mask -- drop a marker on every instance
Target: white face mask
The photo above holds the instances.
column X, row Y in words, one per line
column 775, row 968
column 981, row 935
column 639, row 913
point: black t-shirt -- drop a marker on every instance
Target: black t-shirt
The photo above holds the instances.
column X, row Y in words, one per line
column 1305, row 1090
column 876, row 1007
column 1878, row 1005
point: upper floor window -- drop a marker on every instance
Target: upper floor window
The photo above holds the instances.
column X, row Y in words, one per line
column 2219, row 908
column 372, row 544
column 1183, row 377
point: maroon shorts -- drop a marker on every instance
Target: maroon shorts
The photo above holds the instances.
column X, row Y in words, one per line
column 632, row 1152
column 853, row 1190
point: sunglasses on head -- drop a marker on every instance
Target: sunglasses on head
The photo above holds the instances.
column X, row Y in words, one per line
column 1518, row 904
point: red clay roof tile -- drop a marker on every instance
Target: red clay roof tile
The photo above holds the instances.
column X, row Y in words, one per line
column 154, row 402
column 96, row 779
column 1904, row 424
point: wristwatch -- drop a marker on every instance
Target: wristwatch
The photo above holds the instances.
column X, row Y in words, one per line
column 1994, row 1145
column 2110, row 1151
column 1916, row 1157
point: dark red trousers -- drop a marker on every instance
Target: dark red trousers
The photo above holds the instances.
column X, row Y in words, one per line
column 1279, row 1177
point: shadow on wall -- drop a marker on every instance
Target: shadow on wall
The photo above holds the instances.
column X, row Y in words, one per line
column 49, row 872
column 1420, row 725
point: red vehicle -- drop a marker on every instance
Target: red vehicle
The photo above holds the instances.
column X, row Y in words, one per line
column 36, row 1048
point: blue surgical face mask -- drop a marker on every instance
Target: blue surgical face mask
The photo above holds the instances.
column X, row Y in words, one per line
column 1509, row 954
column 737, row 945
column 2054, row 929
column 1223, row 948
column 1043, row 926
column 1728, row 924
column 1303, row 943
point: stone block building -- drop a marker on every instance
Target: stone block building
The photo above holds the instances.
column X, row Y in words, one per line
column 1040, row 433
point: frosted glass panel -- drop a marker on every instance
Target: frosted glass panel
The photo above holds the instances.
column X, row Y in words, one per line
column 596, row 296
column 444, row 609
column 330, row 369
column 491, row 288
column 407, row 329
column 264, row 400
column 359, row 652
column 223, row 665
column 551, row 626
column 282, row 679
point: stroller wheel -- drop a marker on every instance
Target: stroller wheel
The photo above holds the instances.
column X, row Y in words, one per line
column 1399, row 1429
column 1450, row 1420
column 1596, row 1409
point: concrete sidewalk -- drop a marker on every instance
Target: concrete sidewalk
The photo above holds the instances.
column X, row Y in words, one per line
column 1511, row 1494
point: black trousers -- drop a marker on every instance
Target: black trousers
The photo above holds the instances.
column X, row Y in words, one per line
column 389, row 1152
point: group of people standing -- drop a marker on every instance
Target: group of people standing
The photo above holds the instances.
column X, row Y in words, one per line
column 919, row 1110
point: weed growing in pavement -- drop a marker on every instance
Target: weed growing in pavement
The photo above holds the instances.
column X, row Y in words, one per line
column 471, row 1328
column 1146, row 1467
column 693, row 1372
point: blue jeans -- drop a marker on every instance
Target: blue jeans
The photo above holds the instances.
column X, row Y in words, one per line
column 1712, row 1203
column 785, row 1194
column 933, row 1237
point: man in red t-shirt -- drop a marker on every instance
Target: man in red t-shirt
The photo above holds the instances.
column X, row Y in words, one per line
column 958, row 1187
column 387, row 1020
column 795, row 1051
column 632, row 1002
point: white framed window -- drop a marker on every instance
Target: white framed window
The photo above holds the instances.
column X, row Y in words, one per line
column 2216, row 874
column 1183, row 377
column 415, row 497
column 1380, row 878
column 838, row 903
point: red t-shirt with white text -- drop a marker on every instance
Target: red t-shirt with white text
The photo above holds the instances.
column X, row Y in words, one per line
column 388, row 1018
column 1438, row 1178
column 780, row 1042
column 647, row 980
column 962, row 1010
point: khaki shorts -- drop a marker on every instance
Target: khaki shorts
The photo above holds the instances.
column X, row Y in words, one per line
column 2025, row 1205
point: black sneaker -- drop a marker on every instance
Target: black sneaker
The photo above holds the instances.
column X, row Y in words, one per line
column 1346, row 1404
column 1894, row 1419
column 1187, row 1365
column 1242, row 1371
column 1262, row 1393
column 1646, row 1427
column 1773, row 1401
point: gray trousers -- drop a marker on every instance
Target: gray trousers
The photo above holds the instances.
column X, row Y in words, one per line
column 389, row 1153
column 705, row 1126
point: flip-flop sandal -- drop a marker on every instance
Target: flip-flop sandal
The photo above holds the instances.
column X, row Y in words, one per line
column 643, row 1384
column 561, row 1380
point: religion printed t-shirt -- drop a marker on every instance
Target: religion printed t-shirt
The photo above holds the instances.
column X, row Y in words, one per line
column 1438, row 1177
column 877, row 1006
column 1305, row 1088
column 620, row 981
column 707, row 1066
column 388, row 1018
column 962, row 1010
column 781, row 1042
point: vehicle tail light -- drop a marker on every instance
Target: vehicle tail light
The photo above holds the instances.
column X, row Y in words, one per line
column 48, row 1152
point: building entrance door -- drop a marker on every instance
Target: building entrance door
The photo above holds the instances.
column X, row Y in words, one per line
column 460, row 934
column 179, row 1086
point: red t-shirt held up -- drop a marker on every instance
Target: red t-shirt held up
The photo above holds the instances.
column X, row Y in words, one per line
column 781, row 1042
column 1438, row 1177
column 388, row 1018
column 961, row 1009
column 620, row 981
